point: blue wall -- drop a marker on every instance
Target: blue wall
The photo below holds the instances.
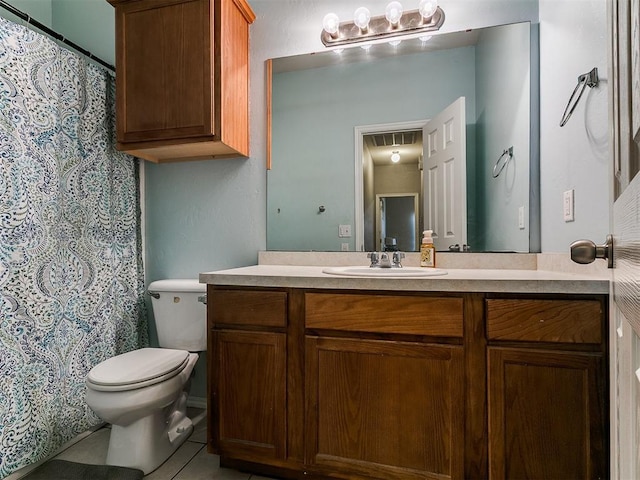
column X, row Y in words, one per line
column 504, row 121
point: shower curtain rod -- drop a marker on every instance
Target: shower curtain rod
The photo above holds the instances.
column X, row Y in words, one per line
column 54, row 34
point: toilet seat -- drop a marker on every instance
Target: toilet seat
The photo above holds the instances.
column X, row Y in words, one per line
column 137, row 369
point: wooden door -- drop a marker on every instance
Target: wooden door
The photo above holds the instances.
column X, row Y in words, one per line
column 249, row 395
column 624, row 79
column 545, row 415
column 383, row 409
column 445, row 177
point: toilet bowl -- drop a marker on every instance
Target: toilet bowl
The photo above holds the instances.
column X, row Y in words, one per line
column 147, row 408
column 143, row 393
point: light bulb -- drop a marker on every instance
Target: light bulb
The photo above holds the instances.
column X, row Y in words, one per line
column 393, row 13
column 361, row 18
column 366, row 46
column 427, row 8
column 395, row 43
column 425, row 38
column 331, row 23
column 395, row 156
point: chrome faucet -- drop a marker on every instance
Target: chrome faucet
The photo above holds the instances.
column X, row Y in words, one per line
column 397, row 259
column 386, row 259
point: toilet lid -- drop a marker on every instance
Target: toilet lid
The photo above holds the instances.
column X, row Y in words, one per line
column 138, row 368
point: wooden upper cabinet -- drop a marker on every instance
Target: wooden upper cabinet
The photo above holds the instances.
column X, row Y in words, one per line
column 182, row 78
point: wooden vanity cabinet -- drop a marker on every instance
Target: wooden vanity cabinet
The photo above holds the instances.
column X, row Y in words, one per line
column 318, row 384
column 547, row 388
column 247, row 374
column 182, row 83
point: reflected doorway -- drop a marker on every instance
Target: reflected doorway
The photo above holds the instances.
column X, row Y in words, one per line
column 388, row 164
column 397, row 222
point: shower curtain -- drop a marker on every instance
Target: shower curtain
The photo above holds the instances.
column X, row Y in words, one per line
column 71, row 282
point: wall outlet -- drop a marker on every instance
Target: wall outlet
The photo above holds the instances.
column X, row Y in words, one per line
column 344, row 247
column 568, row 206
column 521, row 218
column 344, row 231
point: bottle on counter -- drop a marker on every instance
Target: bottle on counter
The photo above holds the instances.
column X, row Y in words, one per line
column 427, row 250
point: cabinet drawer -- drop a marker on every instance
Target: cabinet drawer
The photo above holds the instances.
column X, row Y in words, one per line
column 239, row 307
column 564, row 321
column 434, row 316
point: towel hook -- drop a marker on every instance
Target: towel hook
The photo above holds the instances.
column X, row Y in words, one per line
column 508, row 151
column 585, row 80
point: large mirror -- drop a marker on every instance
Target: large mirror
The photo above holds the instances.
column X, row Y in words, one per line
column 339, row 118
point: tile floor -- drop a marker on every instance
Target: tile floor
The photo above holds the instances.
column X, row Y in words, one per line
column 190, row 462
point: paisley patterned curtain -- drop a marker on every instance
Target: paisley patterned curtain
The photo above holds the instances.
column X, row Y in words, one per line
column 71, row 283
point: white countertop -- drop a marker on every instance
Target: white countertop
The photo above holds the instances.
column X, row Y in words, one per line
column 456, row 280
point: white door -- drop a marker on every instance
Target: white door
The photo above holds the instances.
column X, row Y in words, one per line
column 624, row 80
column 445, row 182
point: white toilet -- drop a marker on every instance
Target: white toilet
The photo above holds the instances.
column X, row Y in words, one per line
column 143, row 393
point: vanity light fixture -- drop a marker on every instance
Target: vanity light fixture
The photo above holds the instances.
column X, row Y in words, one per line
column 395, row 22
column 395, row 156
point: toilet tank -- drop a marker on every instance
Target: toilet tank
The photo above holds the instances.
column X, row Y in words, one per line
column 181, row 318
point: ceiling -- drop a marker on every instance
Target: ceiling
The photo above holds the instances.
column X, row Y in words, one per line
column 381, row 145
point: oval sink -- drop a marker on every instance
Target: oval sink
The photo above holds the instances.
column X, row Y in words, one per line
column 405, row 272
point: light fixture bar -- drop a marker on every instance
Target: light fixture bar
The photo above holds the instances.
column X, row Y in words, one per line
column 411, row 22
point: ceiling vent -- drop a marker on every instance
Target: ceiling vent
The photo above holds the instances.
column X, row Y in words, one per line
column 394, row 139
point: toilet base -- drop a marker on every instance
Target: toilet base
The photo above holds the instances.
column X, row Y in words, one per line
column 146, row 443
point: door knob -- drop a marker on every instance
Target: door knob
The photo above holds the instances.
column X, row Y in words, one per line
column 585, row 251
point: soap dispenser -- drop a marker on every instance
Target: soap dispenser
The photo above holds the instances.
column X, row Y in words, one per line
column 427, row 250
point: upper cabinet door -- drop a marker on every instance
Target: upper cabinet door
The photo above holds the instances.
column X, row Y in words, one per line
column 182, row 73
column 164, row 70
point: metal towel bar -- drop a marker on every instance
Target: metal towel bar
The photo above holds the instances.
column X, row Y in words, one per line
column 504, row 159
column 585, row 80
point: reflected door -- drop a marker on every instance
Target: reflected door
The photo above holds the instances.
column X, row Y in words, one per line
column 445, row 193
column 397, row 218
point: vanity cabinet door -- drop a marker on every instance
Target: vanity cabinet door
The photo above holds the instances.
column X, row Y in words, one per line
column 546, row 414
column 248, row 394
column 384, row 409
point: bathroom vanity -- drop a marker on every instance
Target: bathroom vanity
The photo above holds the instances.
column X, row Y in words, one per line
column 477, row 374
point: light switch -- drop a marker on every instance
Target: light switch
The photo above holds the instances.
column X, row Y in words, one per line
column 344, row 231
column 567, row 206
column 521, row 218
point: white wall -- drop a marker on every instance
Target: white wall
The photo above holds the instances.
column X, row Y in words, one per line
column 573, row 40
